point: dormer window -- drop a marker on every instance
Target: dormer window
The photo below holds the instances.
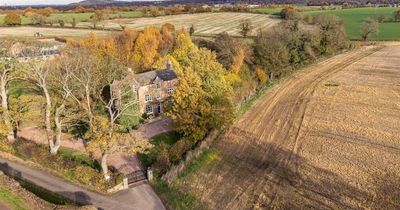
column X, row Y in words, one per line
column 158, row 85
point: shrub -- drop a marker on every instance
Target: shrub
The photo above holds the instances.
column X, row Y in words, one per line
column 5, row 146
column 261, row 75
column 290, row 13
column 74, row 22
column 12, row 19
column 87, row 175
column 61, row 23
column 178, row 149
column 162, row 161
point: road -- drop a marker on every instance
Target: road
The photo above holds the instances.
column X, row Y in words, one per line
column 141, row 197
column 326, row 137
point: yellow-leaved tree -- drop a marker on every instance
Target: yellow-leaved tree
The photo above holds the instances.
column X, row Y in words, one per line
column 203, row 98
column 183, row 46
column 238, row 61
column 190, row 106
column 105, row 139
column 125, row 43
column 146, row 48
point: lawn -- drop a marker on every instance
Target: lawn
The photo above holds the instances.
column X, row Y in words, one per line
column 10, row 200
column 353, row 18
column 167, row 139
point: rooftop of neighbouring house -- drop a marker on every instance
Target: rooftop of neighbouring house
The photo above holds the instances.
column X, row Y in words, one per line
column 147, row 78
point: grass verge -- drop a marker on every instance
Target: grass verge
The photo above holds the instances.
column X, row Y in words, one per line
column 45, row 194
column 173, row 198
column 11, row 200
column 206, row 158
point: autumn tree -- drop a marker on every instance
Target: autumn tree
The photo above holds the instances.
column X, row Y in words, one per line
column 146, row 48
column 100, row 80
column 228, row 47
column 98, row 16
column 190, row 106
column 105, row 140
column 245, row 27
column 183, row 46
column 215, row 108
column 238, row 61
column 125, row 43
column 79, row 9
column 12, row 19
column 37, row 19
column 167, row 39
column 369, row 27
column 261, row 75
column 271, row 51
column 46, row 12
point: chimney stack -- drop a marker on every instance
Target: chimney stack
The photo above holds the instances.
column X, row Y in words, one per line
column 169, row 65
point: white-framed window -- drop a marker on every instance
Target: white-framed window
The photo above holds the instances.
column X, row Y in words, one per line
column 148, row 97
column 149, row 109
column 134, row 88
column 170, row 91
column 158, row 85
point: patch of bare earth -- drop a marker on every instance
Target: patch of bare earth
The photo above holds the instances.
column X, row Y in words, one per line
column 326, row 137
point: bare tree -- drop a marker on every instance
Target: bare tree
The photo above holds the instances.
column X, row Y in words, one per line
column 37, row 72
column 7, row 74
column 369, row 27
column 245, row 27
column 84, row 72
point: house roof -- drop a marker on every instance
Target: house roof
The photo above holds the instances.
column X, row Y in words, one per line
column 166, row 75
column 147, row 78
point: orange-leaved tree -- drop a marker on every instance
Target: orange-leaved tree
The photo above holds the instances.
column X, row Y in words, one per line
column 12, row 19
column 146, row 48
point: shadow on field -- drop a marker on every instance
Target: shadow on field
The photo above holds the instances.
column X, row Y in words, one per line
column 252, row 175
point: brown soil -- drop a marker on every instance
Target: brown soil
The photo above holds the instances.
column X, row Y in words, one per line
column 326, row 137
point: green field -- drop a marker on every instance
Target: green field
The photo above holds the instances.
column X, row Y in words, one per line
column 278, row 9
column 80, row 17
column 353, row 18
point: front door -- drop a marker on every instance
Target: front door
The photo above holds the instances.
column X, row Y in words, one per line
column 159, row 108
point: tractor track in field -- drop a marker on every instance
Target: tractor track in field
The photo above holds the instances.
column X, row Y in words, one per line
column 263, row 163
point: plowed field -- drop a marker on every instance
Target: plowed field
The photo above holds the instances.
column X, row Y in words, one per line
column 327, row 137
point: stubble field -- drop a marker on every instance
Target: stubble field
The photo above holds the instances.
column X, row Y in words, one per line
column 327, row 137
column 207, row 24
column 204, row 23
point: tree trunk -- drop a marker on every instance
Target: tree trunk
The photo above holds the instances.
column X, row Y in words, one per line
column 89, row 108
column 49, row 130
column 6, row 113
column 104, row 165
column 56, row 143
